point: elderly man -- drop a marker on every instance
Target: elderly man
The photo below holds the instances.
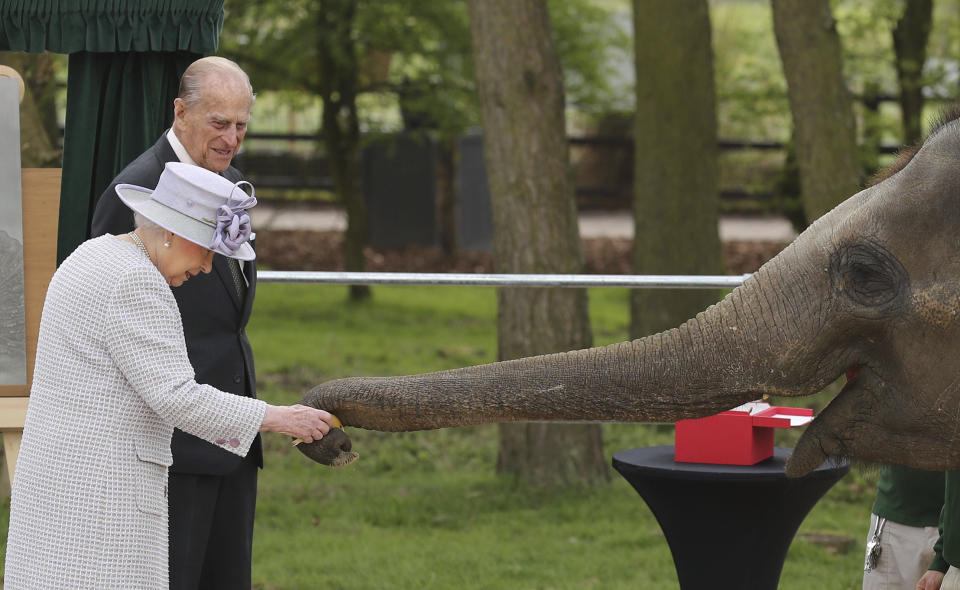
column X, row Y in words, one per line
column 212, row 493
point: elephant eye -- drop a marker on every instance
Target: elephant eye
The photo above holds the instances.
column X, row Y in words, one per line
column 868, row 274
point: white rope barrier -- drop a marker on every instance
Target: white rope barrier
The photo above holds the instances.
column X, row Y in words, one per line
column 503, row 280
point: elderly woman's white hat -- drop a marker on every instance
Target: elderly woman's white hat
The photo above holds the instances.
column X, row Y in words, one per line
column 198, row 205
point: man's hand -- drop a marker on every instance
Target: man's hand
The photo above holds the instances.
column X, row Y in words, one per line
column 930, row 580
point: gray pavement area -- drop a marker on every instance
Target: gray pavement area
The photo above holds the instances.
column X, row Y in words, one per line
column 593, row 224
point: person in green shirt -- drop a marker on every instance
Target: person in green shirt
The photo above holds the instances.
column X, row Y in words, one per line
column 944, row 573
column 903, row 527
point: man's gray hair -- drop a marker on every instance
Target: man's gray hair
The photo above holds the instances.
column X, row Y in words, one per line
column 196, row 74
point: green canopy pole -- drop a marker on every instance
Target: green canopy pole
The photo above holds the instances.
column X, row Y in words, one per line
column 125, row 63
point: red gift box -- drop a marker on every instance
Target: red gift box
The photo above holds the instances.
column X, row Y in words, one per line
column 741, row 436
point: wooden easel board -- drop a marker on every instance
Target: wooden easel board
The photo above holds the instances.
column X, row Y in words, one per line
column 41, row 205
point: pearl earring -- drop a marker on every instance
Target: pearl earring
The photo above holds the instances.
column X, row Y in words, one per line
column 166, row 244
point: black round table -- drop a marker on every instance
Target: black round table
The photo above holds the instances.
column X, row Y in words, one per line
column 728, row 526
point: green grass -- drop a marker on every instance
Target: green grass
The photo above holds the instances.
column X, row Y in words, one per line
column 425, row 509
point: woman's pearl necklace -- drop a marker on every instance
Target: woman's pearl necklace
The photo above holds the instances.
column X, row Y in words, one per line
column 139, row 243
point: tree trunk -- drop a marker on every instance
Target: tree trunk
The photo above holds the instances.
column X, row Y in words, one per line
column 676, row 178
column 910, row 46
column 825, row 129
column 520, row 87
column 447, row 194
column 872, row 131
column 339, row 79
column 38, row 122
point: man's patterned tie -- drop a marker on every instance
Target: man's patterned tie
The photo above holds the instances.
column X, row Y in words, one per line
column 238, row 281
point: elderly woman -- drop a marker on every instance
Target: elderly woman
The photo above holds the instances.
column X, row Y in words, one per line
column 112, row 381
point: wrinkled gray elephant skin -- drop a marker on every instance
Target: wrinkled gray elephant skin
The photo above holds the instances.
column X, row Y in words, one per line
column 871, row 291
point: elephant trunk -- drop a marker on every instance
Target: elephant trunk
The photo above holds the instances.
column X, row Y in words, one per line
column 721, row 358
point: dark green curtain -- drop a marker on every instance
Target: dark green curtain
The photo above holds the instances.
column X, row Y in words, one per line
column 118, row 104
column 125, row 63
column 68, row 26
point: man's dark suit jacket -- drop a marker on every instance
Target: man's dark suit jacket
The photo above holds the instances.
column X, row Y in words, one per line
column 214, row 319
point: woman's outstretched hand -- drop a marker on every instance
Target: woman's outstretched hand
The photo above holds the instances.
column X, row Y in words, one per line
column 303, row 422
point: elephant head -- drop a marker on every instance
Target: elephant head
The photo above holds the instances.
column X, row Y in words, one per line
column 870, row 290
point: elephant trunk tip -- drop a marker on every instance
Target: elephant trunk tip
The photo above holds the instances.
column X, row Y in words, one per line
column 334, row 449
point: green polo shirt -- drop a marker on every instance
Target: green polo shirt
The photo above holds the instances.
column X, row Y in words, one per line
column 909, row 496
column 948, row 547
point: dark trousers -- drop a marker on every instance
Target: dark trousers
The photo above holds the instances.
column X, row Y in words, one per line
column 211, row 529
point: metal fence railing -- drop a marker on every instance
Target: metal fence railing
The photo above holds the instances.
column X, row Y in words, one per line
column 503, row 280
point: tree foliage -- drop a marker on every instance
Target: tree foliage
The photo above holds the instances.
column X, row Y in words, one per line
column 39, row 134
column 751, row 88
column 417, row 53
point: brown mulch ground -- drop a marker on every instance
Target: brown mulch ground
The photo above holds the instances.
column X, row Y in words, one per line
column 309, row 250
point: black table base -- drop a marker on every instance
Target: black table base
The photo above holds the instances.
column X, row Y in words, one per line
column 728, row 526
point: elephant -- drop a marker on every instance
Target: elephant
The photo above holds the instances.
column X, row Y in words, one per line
column 869, row 291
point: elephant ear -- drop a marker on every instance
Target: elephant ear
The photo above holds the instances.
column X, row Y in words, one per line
column 334, row 449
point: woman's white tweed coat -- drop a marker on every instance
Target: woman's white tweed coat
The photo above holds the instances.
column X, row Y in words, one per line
column 111, row 381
